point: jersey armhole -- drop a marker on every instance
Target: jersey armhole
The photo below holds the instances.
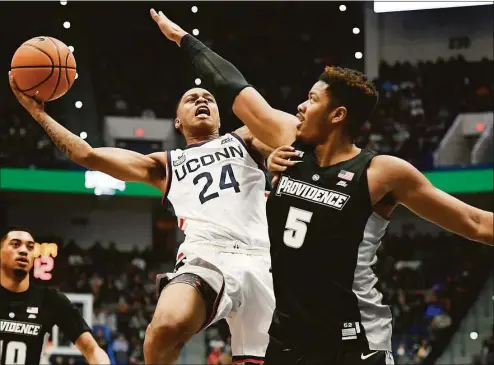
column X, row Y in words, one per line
column 262, row 164
column 169, row 175
column 364, row 180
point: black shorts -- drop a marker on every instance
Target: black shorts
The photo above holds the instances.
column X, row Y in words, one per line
column 277, row 354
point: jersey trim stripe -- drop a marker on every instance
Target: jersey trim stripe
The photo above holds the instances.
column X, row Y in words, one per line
column 261, row 166
column 375, row 317
column 247, row 359
column 192, row 145
column 169, row 175
column 249, row 150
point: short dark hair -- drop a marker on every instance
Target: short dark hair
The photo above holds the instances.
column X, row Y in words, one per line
column 351, row 89
column 6, row 232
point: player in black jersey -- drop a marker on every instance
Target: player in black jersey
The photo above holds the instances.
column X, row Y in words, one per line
column 328, row 211
column 28, row 312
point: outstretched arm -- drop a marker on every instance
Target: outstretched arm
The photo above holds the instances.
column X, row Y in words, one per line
column 74, row 326
column 122, row 164
column 271, row 126
column 413, row 190
column 89, row 348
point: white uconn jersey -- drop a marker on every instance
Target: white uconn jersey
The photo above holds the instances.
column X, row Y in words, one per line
column 218, row 193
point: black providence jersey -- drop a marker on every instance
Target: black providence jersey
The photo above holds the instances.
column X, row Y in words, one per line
column 324, row 237
column 26, row 317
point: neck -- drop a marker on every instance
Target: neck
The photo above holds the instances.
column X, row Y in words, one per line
column 335, row 149
column 10, row 282
column 199, row 139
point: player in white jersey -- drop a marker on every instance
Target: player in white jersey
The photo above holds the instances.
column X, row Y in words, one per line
column 214, row 186
column 217, row 190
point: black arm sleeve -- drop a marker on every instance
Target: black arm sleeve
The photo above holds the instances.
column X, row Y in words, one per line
column 213, row 69
column 68, row 317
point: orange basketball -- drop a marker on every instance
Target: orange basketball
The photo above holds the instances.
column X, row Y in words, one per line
column 44, row 66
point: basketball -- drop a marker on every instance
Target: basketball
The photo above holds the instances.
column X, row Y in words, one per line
column 45, row 67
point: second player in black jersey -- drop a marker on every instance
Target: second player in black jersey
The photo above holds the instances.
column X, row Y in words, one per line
column 28, row 312
column 321, row 219
column 324, row 236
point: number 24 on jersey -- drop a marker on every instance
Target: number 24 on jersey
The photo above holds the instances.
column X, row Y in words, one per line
column 226, row 174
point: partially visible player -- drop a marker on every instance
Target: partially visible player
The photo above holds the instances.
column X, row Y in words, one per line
column 328, row 212
column 217, row 187
column 28, row 311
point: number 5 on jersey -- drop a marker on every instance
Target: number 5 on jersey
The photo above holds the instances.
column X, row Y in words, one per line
column 296, row 227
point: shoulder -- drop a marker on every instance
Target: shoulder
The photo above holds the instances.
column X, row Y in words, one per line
column 391, row 165
column 159, row 157
column 394, row 172
column 54, row 297
column 245, row 134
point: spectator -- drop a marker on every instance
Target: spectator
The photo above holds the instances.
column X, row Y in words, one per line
column 216, row 355
column 121, row 349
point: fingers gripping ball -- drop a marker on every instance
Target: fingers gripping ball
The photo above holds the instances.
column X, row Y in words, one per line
column 44, row 67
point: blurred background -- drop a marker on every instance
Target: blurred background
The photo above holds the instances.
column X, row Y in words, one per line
column 434, row 71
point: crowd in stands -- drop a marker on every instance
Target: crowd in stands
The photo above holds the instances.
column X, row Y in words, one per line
column 428, row 281
column 417, row 105
column 123, row 288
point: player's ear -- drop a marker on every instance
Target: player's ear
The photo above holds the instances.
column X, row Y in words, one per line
column 219, row 123
column 178, row 124
column 338, row 114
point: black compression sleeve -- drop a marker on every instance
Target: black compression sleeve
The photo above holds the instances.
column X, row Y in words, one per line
column 213, row 69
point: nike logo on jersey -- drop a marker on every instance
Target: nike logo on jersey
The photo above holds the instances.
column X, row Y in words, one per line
column 364, row 357
column 342, row 183
column 19, row 328
column 302, row 190
column 195, row 164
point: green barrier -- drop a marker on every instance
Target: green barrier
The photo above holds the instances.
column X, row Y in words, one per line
column 73, row 182
column 92, row 182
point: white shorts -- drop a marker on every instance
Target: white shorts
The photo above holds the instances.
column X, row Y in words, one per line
column 245, row 285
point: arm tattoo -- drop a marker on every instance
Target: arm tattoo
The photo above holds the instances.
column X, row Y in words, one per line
column 65, row 141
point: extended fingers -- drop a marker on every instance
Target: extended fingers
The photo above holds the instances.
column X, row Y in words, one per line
column 285, row 156
column 275, row 179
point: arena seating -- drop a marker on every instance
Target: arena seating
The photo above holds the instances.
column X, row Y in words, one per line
column 417, row 105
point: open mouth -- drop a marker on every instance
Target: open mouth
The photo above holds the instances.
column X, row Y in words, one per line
column 203, row 111
column 300, row 117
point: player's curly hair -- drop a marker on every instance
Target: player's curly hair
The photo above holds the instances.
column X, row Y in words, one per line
column 351, row 89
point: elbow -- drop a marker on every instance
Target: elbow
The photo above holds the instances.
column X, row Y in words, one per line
column 87, row 158
column 94, row 354
column 484, row 228
column 485, row 235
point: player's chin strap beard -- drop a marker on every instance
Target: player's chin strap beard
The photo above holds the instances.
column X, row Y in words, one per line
column 20, row 274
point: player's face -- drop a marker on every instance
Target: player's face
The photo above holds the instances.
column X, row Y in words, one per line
column 198, row 112
column 17, row 252
column 316, row 117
